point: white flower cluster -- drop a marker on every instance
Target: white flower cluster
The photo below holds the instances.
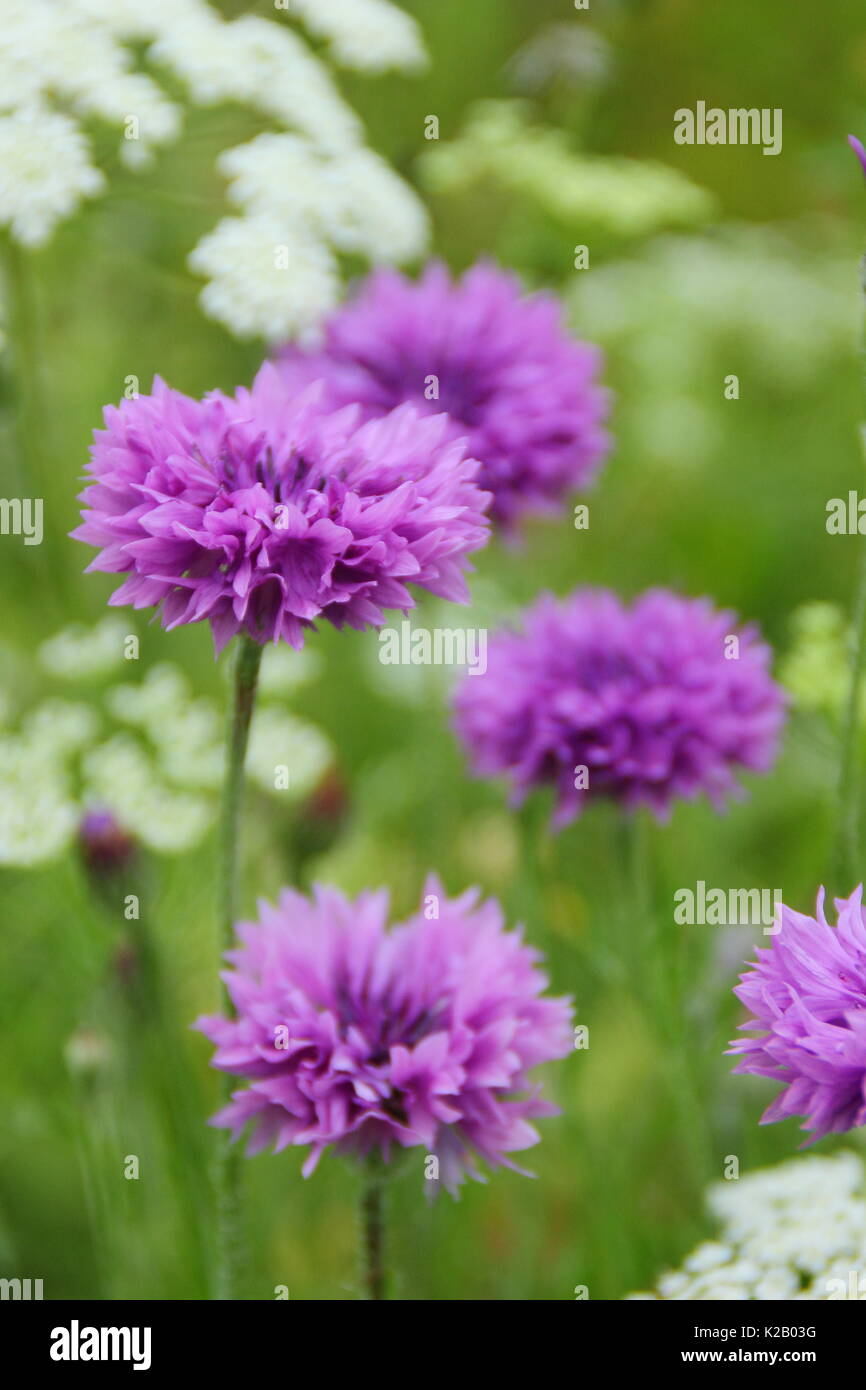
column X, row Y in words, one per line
column 351, row 198
column 274, row 270
column 265, row 279
column 119, row 774
column 38, row 811
column 796, row 1231
column 61, row 63
column 160, row 772
column 78, row 652
column 45, row 172
column 371, row 35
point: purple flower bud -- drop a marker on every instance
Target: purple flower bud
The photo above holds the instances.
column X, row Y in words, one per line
column 106, row 847
column 859, row 150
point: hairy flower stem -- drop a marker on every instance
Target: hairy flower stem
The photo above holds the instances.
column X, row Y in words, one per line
column 846, row 867
column 247, row 661
column 373, row 1238
column 848, row 871
column 661, row 956
column 30, row 414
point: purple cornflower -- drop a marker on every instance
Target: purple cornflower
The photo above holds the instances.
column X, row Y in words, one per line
column 499, row 362
column 642, row 704
column 807, row 995
column 373, row 1040
column 263, row 512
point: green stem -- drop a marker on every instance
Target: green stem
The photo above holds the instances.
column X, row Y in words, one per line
column 845, row 856
column 373, row 1238
column 846, row 851
column 28, row 471
column 247, row 662
column 661, row 956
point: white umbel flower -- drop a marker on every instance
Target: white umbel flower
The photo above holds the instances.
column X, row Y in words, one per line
column 120, row 774
column 262, row 65
column 66, row 58
column 354, row 201
column 796, row 1231
column 284, row 175
column 45, row 172
column 78, row 652
column 133, row 102
column 383, row 219
column 279, row 741
column 266, row 279
column 307, row 196
column 158, row 765
column 370, row 35
column 37, row 811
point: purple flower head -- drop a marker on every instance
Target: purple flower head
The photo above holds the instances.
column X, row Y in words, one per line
column 510, row 378
column 373, row 1040
column 264, row 512
column 640, row 703
column 807, row 995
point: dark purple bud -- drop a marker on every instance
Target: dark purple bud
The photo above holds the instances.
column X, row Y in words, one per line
column 105, row 846
column 322, row 816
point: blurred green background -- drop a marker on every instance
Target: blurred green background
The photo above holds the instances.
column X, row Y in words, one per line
column 744, row 265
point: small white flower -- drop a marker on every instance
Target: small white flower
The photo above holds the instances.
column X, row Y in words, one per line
column 266, row 279
column 120, row 774
column 788, row 1233
column 283, row 175
column 283, row 669
column 708, row 1256
column 353, row 201
column 78, row 652
column 58, row 727
column 263, row 65
column 45, row 172
column 383, row 219
column 279, row 740
column 37, row 811
column 371, row 35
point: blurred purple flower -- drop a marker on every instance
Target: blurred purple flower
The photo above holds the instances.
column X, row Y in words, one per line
column 642, row 704
column 859, row 150
column 807, row 995
column 355, row 1036
column 508, row 375
column 106, row 848
column 263, row 512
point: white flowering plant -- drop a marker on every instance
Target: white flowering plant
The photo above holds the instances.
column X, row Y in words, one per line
column 307, row 191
